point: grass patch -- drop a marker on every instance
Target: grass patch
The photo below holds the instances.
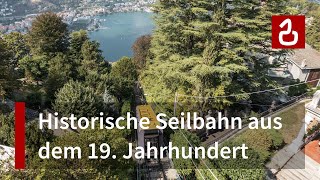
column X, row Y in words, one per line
column 292, row 120
column 267, row 142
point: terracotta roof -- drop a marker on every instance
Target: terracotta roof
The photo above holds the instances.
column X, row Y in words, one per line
column 308, row 56
column 313, row 150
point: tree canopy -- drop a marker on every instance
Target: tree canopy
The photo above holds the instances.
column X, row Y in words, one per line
column 7, row 129
column 78, row 99
column 251, row 168
column 313, row 32
column 210, row 49
column 7, row 74
column 67, row 73
column 141, row 51
column 181, row 139
column 85, row 168
column 122, row 78
column 48, row 34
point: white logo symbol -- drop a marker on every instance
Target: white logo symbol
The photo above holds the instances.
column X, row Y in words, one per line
column 287, row 32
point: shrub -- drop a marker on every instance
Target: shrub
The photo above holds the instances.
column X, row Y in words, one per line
column 126, row 107
column 75, row 98
column 251, row 168
column 297, row 90
column 277, row 139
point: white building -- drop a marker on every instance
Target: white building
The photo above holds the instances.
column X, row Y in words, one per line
column 312, row 116
column 304, row 64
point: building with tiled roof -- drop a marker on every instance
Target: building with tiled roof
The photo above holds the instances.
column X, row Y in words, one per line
column 304, row 64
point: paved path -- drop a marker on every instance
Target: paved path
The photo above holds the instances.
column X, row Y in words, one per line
column 293, row 171
column 284, row 155
column 290, row 163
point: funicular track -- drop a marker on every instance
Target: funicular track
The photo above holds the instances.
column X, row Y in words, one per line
column 148, row 169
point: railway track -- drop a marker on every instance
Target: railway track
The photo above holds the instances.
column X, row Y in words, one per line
column 148, row 169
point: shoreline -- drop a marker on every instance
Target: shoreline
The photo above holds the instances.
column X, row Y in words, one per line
column 97, row 19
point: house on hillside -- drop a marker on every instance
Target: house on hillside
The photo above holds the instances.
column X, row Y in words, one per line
column 304, row 64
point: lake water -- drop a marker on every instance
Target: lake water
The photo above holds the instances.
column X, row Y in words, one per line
column 119, row 31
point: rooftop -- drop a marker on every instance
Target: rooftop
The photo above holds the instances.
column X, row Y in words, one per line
column 313, row 150
column 308, row 58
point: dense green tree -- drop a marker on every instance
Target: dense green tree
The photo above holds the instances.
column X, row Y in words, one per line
column 4, row 108
column 35, row 67
column 77, row 39
column 78, row 99
column 124, row 68
column 52, row 63
column 141, row 51
column 12, row 173
column 239, row 168
column 7, row 75
column 4, row 64
column 188, row 53
column 36, row 99
column 93, row 69
column 85, row 168
column 306, row 7
column 86, row 58
column 312, row 11
column 93, row 61
column 297, row 90
column 313, row 33
column 122, row 79
column 48, row 34
column 16, row 44
column 205, row 49
column 7, row 129
column 111, row 103
column 251, row 22
column 180, row 139
column 126, row 107
column 59, row 73
column 36, row 138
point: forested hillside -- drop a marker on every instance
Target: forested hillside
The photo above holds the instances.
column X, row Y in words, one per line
column 202, row 55
column 49, row 68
